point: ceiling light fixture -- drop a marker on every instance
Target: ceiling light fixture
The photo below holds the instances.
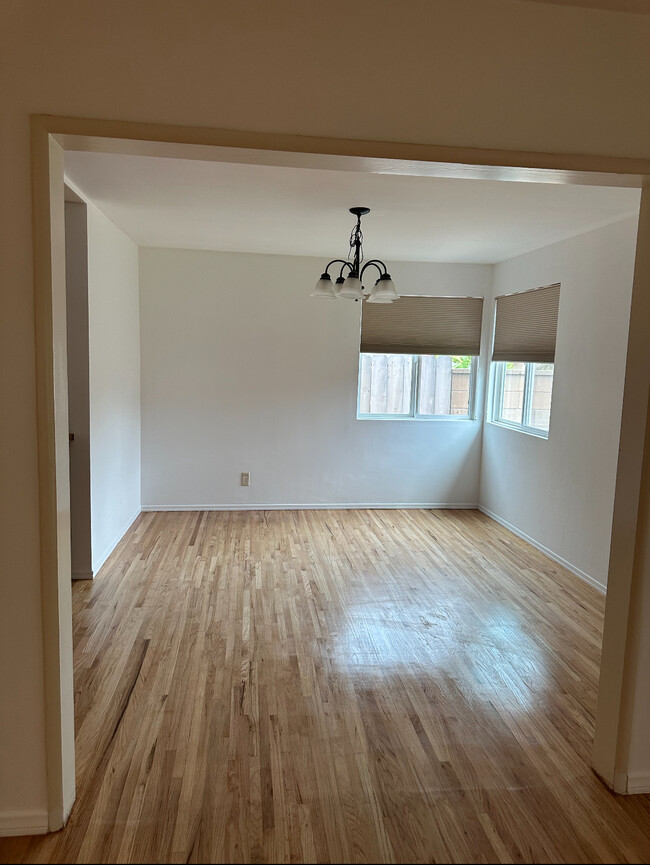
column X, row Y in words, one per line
column 350, row 286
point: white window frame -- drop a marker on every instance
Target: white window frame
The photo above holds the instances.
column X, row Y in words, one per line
column 499, row 380
column 414, row 415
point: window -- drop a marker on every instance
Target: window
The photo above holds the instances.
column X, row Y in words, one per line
column 418, row 358
column 522, row 395
column 421, row 387
column 523, row 356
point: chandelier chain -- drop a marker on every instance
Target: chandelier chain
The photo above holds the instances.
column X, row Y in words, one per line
column 356, row 242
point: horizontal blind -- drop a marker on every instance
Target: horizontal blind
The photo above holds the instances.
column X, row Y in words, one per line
column 526, row 325
column 423, row 325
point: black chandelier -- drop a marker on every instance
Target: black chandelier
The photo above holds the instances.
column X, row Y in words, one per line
column 351, row 286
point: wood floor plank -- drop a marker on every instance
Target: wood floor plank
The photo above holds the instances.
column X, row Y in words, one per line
column 336, row 686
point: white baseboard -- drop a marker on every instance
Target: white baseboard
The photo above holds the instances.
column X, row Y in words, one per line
column 99, row 561
column 330, row 506
column 638, row 782
column 23, row 823
column 82, row 575
column 556, row 558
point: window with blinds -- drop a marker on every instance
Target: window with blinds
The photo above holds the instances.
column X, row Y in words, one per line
column 524, row 359
column 526, row 325
column 418, row 358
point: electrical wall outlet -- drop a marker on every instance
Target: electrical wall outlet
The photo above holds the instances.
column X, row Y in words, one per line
column 245, row 479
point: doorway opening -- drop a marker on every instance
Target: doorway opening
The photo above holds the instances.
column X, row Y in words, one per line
column 53, row 135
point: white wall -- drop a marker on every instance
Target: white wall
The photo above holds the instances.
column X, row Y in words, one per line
column 455, row 72
column 243, row 371
column 114, row 339
column 560, row 492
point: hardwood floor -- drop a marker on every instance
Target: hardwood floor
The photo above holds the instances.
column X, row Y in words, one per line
column 336, row 686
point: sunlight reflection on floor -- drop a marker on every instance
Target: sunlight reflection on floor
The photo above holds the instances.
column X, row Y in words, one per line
column 495, row 658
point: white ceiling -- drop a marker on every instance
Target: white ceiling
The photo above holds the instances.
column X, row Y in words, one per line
column 230, row 206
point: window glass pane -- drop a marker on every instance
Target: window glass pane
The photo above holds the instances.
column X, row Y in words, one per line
column 444, row 385
column 385, row 384
column 461, row 384
column 514, row 381
column 431, row 373
column 542, row 388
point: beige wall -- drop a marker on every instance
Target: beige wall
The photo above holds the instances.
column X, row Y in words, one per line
column 637, row 764
column 460, row 72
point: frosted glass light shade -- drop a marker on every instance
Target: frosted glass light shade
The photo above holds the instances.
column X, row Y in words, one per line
column 351, row 289
column 324, row 287
column 384, row 291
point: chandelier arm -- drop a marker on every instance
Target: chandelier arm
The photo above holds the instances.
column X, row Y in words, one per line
column 338, row 261
column 374, row 262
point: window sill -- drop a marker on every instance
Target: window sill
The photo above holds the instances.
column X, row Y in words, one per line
column 408, row 419
column 526, row 430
